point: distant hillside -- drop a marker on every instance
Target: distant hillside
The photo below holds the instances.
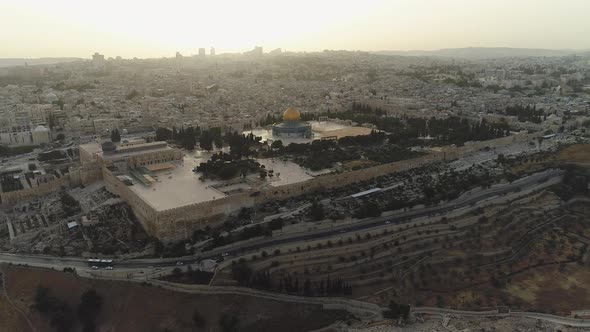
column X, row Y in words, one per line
column 475, row 53
column 12, row 62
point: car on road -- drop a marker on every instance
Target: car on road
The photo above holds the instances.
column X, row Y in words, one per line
column 108, row 268
column 179, row 263
column 387, row 222
column 225, row 254
column 94, row 267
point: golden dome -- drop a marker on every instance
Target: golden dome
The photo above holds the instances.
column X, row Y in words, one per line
column 291, row 114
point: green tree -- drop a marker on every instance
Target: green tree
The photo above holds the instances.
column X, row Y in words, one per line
column 278, row 144
column 206, row 141
column 115, row 136
column 317, row 211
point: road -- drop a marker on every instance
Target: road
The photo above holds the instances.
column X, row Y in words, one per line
column 494, row 313
column 463, row 201
column 466, row 200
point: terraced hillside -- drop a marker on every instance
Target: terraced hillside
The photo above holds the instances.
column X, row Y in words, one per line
column 481, row 258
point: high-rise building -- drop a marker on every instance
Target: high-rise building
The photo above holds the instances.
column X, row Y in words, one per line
column 212, row 51
column 98, row 60
column 178, row 60
column 202, row 51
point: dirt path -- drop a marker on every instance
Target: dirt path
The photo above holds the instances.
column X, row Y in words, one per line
column 3, row 280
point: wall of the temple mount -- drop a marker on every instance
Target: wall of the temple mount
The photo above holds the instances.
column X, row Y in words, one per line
column 180, row 223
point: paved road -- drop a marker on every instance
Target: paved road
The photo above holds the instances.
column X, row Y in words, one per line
column 463, row 201
column 493, row 313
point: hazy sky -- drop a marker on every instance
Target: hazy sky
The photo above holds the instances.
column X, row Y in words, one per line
column 37, row 28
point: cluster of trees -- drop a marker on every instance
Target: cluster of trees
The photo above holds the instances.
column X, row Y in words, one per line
column 61, row 317
column 450, row 185
column 374, row 137
column 224, row 166
column 575, row 181
column 526, row 113
column 404, row 131
column 188, row 137
column 447, row 186
column 368, row 209
column 115, row 135
column 397, row 310
column 452, row 130
column 240, row 144
column 361, row 113
column 319, row 154
column 389, row 153
column 324, row 287
column 243, row 274
column 270, row 119
column 245, row 234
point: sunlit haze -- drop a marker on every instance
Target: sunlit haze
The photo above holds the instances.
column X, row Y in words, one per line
column 31, row 28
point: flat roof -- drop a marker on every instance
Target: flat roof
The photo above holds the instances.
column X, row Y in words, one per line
column 91, row 147
column 119, row 155
column 178, row 187
column 125, row 151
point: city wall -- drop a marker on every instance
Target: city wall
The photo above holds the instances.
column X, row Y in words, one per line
column 180, row 223
column 145, row 213
column 13, row 197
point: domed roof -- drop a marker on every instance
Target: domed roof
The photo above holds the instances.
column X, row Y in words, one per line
column 108, row 147
column 291, row 114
